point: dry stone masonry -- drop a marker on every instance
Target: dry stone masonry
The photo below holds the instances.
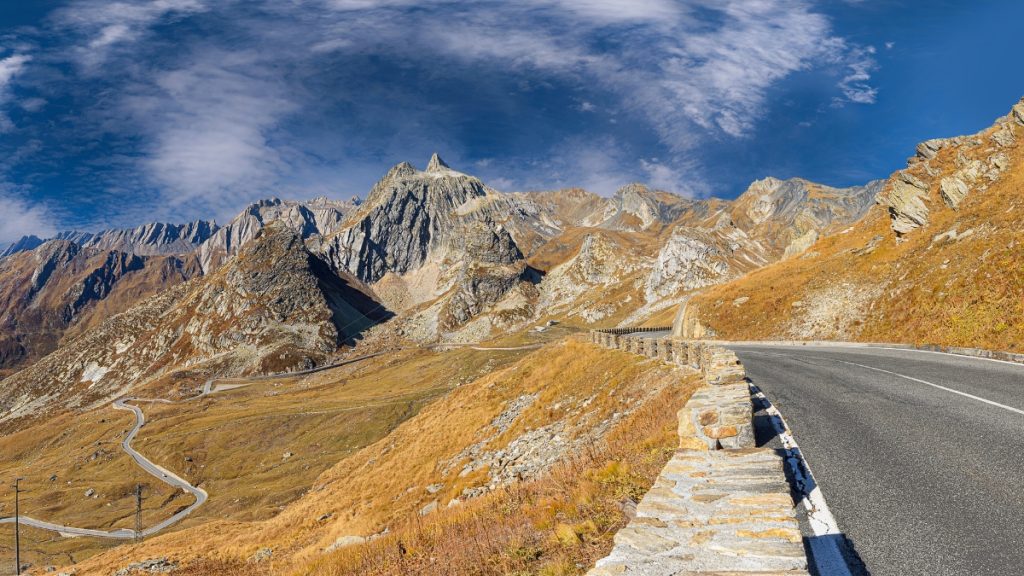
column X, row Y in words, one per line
column 721, row 505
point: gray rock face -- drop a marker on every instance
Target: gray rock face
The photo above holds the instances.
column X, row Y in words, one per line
column 154, row 239
column 906, row 203
column 782, row 211
column 690, row 259
column 646, row 205
column 953, row 191
column 408, row 216
column 929, row 148
column 318, row 217
column 24, row 244
column 1004, row 136
column 1018, row 112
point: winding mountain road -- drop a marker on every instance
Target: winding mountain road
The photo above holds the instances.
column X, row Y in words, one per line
column 159, row 472
column 919, row 454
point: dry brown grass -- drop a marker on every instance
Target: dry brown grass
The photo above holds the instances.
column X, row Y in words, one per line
column 382, row 485
column 557, row 525
column 234, row 441
column 964, row 293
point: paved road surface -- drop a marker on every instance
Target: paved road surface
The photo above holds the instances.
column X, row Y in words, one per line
column 920, row 455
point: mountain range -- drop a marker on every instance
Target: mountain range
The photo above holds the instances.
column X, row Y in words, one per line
column 445, row 311
column 454, row 259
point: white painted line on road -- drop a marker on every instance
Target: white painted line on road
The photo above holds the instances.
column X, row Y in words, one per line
column 858, row 346
column 827, row 556
column 961, row 356
column 933, row 385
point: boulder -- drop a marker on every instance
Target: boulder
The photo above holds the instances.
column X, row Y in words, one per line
column 906, row 203
column 1018, row 112
column 953, row 190
column 1004, row 136
column 929, row 148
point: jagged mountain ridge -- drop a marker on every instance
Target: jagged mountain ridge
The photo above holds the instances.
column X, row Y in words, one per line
column 273, row 307
column 459, row 261
column 151, row 239
column 61, row 286
column 936, row 261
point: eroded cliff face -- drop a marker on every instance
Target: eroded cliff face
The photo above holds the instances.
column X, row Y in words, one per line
column 60, row 286
column 274, row 307
column 936, row 261
column 308, row 220
column 932, row 183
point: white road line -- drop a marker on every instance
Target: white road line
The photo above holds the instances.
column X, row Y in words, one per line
column 827, row 556
column 859, row 346
column 933, row 385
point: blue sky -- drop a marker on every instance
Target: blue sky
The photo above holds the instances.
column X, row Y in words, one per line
column 114, row 113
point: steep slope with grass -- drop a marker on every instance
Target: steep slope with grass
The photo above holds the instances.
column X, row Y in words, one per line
column 60, row 288
column 531, row 467
column 938, row 260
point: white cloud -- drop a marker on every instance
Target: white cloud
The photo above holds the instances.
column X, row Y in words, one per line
column 106, row 25
column 208, row 126
column 10, row 67
column 854, row 85
column 22, row 218
column 664, row 177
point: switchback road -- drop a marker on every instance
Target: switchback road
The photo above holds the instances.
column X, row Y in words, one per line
column 161, row 473
column 920, row 455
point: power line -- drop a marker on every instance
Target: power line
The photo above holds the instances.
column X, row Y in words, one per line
column 138, row 513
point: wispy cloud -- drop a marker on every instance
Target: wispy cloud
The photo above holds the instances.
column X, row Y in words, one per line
column 104, row 26
column 22, row 217
column 855, row 84
column 206, row 128
column 210, row 104
column 10, row 67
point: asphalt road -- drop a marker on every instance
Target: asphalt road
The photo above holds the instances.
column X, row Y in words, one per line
column 920, row 455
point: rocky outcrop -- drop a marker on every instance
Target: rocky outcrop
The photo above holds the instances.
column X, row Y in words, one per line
column 905, row 200
column 410, row 216
column 979, row 161
column 637, row 207
column 953, row 191
column 689, row 260
column 313, row 219
column 780, row 212
column 61, row 286
column 274, row 307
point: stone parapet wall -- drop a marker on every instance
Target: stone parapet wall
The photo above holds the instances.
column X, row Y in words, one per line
column 726, row 512
column 721, row 505
column 717, row 417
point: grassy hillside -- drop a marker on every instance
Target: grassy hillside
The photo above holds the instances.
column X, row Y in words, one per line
column 590, row 428
column 958, row 280
column 232, row 444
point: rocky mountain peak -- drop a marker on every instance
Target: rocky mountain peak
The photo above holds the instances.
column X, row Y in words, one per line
column 436, row 164
column 24, row 244
column 636, row 201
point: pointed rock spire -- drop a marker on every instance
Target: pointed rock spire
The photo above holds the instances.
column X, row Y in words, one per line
column 436, row 164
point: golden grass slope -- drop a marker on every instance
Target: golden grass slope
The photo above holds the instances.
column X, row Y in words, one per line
column 958, row 281
column 608, row 402
column 232, row 444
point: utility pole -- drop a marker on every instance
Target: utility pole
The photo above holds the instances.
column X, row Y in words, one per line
column 138, row 513
column 17, row 531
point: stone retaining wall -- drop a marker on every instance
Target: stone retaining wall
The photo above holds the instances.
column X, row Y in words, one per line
column 721, row 505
